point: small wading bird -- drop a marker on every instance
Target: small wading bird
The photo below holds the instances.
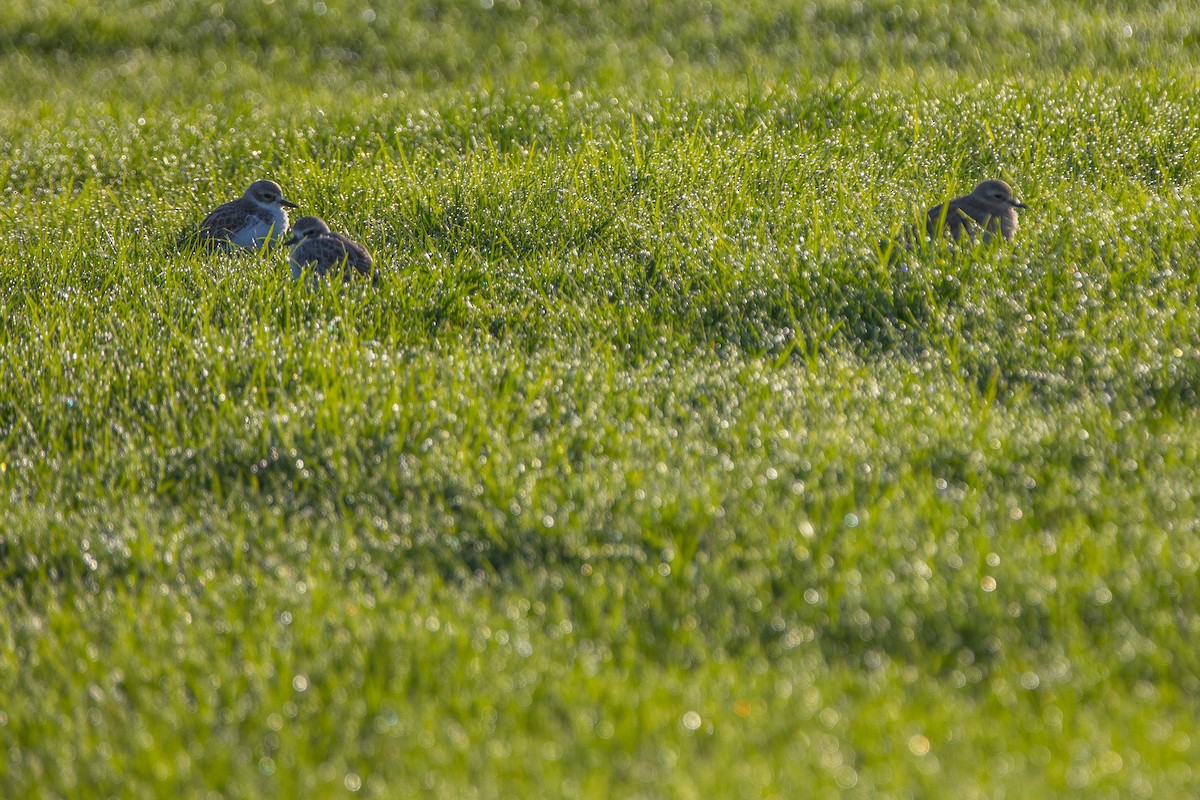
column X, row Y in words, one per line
column 256, row 218
column 991, row 207
column 316, row 247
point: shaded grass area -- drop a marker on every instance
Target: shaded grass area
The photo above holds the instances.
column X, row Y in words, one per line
column 650, row 468
column 624, row 42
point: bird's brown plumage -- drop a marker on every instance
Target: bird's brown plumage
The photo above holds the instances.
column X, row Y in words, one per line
column 991, row 207
column 315, row 246
column 255, row 218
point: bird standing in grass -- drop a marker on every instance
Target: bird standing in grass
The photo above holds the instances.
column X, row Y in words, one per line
column 315, row 246
column 991, row 206
column 256, row 218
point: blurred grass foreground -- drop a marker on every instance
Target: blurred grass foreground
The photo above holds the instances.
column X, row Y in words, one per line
column 642, row 472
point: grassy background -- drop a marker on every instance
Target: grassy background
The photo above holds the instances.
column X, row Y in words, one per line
column 642, row 473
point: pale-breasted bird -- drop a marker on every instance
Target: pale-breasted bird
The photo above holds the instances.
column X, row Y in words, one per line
column 256, row 218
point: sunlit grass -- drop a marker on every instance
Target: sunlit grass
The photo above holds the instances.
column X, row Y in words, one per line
column 643, row 471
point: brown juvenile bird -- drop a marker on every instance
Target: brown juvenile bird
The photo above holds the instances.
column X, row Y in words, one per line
column 315, row 246
column 991, row 206
column 256, row 218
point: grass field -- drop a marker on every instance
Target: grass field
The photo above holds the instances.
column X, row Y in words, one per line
column 642, row 472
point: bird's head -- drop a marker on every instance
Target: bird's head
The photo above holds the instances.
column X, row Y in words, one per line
column 998, row 193
column 304, row 228
column 268, row 193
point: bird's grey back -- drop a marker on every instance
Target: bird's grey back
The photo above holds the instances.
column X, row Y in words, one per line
column 357, row 256
column 966, row 212
column 328, row 250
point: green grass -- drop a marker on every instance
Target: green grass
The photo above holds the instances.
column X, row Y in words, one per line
column 642, row 472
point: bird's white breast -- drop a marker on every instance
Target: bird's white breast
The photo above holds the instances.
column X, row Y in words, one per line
column 257, row 230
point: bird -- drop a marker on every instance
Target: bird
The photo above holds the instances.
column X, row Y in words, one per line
column 315, row 246
column 256, row 218
column 990, row 206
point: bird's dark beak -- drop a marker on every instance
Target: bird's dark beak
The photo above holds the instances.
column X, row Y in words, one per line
column 289, row 240
column 287, row 203
column 1017, row 203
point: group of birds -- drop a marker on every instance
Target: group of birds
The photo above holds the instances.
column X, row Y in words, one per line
column 259, row 218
